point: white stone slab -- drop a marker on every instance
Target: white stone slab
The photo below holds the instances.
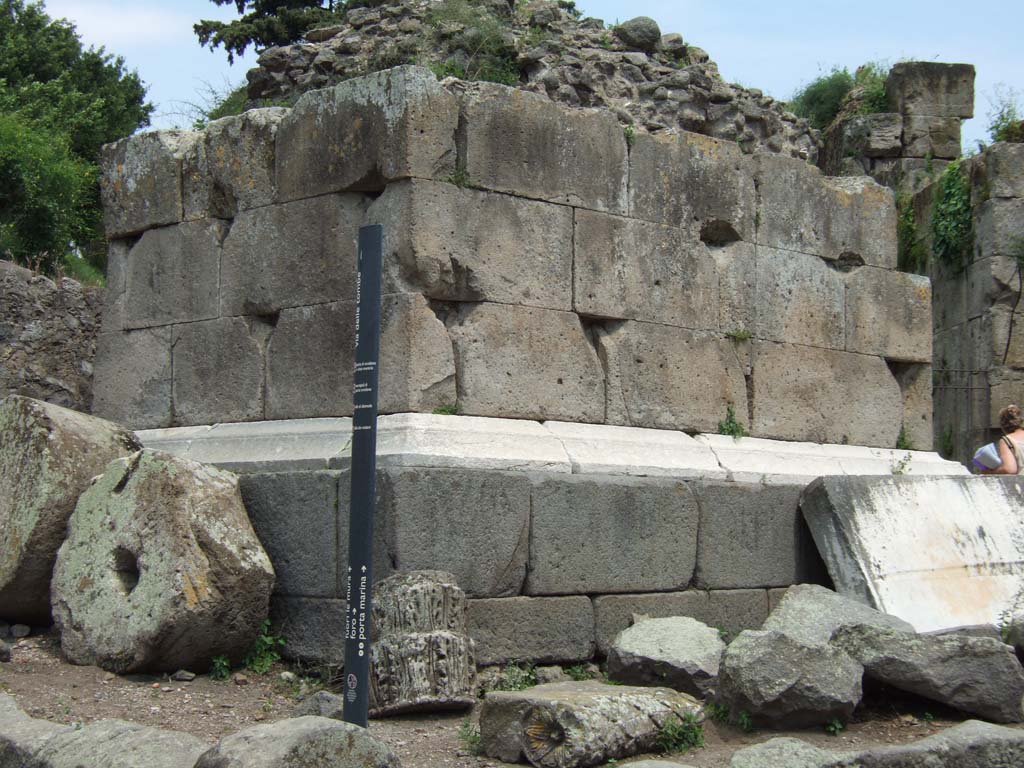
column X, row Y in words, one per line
column 612, row 450
column 861, row 460
column 939, row 552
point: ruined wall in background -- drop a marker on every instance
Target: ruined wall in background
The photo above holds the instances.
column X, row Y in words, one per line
column 47, row 337
column 540, row 264
column 978, row 317
column 908, row 146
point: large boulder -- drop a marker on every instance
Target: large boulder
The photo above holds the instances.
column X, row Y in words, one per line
column 641, row 33
column 812, row 614
column 559, row 725
column 678, row 652
column 48, row 455
column 783, row 752
column 22, row 736
column 780, row 681
column 161, row 569
column 979, row 675
column 119, row 744
column 301, row 742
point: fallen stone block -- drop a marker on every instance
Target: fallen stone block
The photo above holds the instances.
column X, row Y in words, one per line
column 579, row 724
column 120, row 744
column 977, row 675
column 21, row 737
column 782, row 682
column 161, row 569
column 365, row 132
column 914, row 546
column 301, row 742
column 812, row 614
column 48, row 456
column 321, row 704
column 678, row 652
column 783, row 751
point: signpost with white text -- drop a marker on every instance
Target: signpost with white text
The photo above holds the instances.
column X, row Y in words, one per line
column 358, row 595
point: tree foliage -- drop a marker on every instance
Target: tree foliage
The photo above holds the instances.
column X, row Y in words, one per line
column 822, row 99
column 265, row 23
column 60, row 103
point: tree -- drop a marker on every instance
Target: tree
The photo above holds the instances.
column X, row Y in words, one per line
column 267, row 23
column 60, row 103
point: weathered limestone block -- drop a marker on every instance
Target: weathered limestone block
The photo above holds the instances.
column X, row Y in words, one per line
column 634, row 270
column 998, row 225
column 456, row 244
column 978, row 675
column 915, row 382
column 831, row 217
column 590, row 536
column 677, row 652
column 218, row 370
column 48, row 455
column 231, row 167
column 1002, row 170
column 1007, row 335
column 291, row 255
column 132, row 381
column 889, row 314
column 804, row 393
column 925, row 135
column 877, row 135
column 780, row 751
column 559, row 725
column 21, row 737
column 475, row 524
column 907, row 174
column 752, row 536
column 812, row 614
column 783, row 682
column 310, row 627
column 161, row 569
column 730, row 609
column 120, row 744
column 525, row 144
column 112, row 318
column 300, row 742
column 544, row 630
column 799, row 299
column 365, row 132
column 422, row 659
column 670, row 378
column 525, row 363
column 310, row 360
column 931, row 88
column 693, row 182
column 140, row 185
column 737, row 276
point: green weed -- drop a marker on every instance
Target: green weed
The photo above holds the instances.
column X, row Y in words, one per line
column 681, row 734
column 630, row 133
column 717, row 712
column 739, row 334
column 446, row 410
column 578, row 672
column 952, row 231
column 469, row 735
column 834, row 727
column 220, row 668
column 729, row 425
column 516, row 677
column 263, row 654
column 904, row 443
column 460, row 178
column 745, row 721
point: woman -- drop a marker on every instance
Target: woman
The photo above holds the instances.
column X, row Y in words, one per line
column 1011, row 444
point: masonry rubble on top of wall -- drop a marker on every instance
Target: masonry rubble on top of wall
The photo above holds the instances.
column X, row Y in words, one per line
column 670, row 276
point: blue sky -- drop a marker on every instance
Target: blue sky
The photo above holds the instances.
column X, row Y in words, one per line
column 775, row 46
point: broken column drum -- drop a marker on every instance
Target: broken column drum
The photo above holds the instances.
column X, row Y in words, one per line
column 569, row 275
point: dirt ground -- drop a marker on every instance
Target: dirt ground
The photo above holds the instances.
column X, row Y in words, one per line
column 47, row 687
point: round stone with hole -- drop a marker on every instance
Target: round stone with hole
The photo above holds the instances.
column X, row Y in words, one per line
column 161, row 569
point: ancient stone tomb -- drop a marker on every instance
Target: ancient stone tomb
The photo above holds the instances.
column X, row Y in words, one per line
column 541, row 263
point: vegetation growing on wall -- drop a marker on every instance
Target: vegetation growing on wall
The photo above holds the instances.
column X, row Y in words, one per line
column 480, row 43
column 912, row 256
column 952, row 232
column 822, row 99
column 1006, row 121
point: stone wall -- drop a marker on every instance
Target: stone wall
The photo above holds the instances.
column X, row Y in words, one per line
column 540, row 264
column 908, row 146
column 48, row 334
column 978, row 318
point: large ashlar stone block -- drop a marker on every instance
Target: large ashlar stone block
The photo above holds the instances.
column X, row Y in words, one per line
column 925, row 135
column 474, row 524
column 737, row 277
column 753, row 536
column 219, row 370
column 539, row 629
column 1007, row 335
column 693, row 182
column 523, row 143
column 365, row 132
column 670, row 378
column 230, row 167
column 140, row 182
column 889, row 314
column 161, row 569
column 48, row 456
column 806, row 393
column 310, row 628
column 311, row 356
column 456, row 244
column 1003, row 170
column 832, row 217
column 998, row 228
column 611, row 535
column 172, row 275
column 931, row 88
column 635, row 270
column 292, row 255
column 118, row 744
column 799, row 299
column 525, row 363
column 915, row 380
column 1005, row 386
column 132, row 381
column 114, row 298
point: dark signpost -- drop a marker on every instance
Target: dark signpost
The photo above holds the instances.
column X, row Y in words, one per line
column 364, row 477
